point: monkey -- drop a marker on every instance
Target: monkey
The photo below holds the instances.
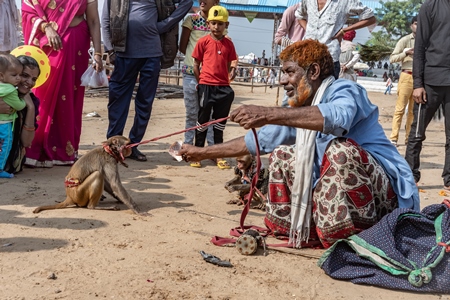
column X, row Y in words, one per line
column 241, row 182
column 94, row 172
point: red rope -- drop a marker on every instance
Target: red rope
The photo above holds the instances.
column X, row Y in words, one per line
column 178, row 132
column 258, row 161
column 254, row 181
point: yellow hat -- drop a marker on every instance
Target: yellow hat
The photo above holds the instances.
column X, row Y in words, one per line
column 218, row 13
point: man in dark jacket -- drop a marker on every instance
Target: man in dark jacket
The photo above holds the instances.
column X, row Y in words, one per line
column 131, row 29
column 431, row 75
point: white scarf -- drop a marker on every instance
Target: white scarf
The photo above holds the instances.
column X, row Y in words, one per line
column 301, row 207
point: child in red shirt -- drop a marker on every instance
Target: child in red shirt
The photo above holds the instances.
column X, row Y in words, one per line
column 214, row 53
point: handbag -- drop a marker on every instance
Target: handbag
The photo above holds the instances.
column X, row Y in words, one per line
column 406, row 250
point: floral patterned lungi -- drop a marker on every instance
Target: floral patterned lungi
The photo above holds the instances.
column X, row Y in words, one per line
column 352, row 194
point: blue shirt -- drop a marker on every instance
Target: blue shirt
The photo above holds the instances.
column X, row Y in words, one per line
column 143, row 28
column 348, row 112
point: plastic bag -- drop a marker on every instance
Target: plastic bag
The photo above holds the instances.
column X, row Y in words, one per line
column 92, row 79
column 173, row 150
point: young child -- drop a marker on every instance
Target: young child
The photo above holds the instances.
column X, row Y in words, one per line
column 214, row 53
column 194, row 28
column 389, row 85
column 10, row 70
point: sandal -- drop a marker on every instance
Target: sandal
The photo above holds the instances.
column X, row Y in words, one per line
column 223, row 164
column 137, row 155
column 195, row 164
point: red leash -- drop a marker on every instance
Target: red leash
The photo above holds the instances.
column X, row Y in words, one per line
column 264, row 232
column 236, row 232
column 178, row 132
column 254, row 181
column 219, row 241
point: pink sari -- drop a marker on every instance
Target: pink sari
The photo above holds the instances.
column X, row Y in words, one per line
column 58, row 134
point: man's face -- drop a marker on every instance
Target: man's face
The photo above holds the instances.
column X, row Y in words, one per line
column 414, row 27
column 217, row 28
column 296, row 84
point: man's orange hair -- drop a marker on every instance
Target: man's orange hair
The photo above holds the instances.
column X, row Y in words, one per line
column 306, row 52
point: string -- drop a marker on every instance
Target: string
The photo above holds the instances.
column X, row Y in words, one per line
column 246, row 208
column 178, row 132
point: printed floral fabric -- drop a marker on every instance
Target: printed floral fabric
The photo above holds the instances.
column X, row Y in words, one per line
column 352, row 194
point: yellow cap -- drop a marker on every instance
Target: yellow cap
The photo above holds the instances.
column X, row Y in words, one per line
column 218, row 13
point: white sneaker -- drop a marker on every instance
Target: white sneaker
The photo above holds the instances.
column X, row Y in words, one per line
column 394, row 143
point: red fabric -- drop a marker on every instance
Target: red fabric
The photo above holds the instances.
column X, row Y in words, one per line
column 349, row 35
column 71, row 182
column 277, row 192
column 360, row 196
column 60, row 113
column 34, row 14
column 214, row 67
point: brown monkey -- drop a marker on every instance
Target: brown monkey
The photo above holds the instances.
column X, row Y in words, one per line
column 94, row 172
column 241, row 182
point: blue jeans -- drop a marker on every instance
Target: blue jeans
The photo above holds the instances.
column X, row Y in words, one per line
column 192, row 107
column 6, row 140
column 388, row 89
column 121, row 86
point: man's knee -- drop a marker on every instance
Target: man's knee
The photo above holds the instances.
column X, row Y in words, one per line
column 282, row 153
column 346, row 149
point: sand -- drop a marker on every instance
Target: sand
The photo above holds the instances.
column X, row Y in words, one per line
column 86, row 254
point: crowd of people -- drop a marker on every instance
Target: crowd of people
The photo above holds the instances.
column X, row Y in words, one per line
column 332, row 173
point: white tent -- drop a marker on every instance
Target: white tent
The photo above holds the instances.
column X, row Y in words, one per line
column 247, row 58
column 361, row 66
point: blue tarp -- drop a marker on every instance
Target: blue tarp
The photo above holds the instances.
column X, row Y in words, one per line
column 273, row 6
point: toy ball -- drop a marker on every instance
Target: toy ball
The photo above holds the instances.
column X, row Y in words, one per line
column 40, row 57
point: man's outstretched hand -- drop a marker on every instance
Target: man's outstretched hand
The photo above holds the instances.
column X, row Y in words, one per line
column 191, row 153
column 250, row 116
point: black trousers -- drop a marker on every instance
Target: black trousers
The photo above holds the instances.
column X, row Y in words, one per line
column 337, row 69
column 423, row 114
column 219, row 100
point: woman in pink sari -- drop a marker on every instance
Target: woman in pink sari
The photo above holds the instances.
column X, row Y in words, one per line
column 62, row 28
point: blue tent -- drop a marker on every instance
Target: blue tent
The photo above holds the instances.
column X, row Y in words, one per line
column 266, row 8
column 271, row 9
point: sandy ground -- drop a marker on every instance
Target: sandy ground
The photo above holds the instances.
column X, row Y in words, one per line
column 86, row 254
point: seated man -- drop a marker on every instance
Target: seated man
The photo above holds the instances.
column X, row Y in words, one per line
column 335, row 172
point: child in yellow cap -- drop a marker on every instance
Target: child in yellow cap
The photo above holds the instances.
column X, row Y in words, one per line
column 213, row 55
column 194, row 27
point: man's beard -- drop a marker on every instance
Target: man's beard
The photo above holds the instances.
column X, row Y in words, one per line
column 304, row 91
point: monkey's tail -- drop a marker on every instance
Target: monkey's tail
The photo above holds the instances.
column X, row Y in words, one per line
column 66, row 203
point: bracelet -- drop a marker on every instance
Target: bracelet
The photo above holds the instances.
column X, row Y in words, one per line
column 43, row 26
column 98, row 53
column 25, row 127
column 342, row 31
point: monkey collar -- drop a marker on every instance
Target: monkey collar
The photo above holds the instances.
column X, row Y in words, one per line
column 116, row 154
